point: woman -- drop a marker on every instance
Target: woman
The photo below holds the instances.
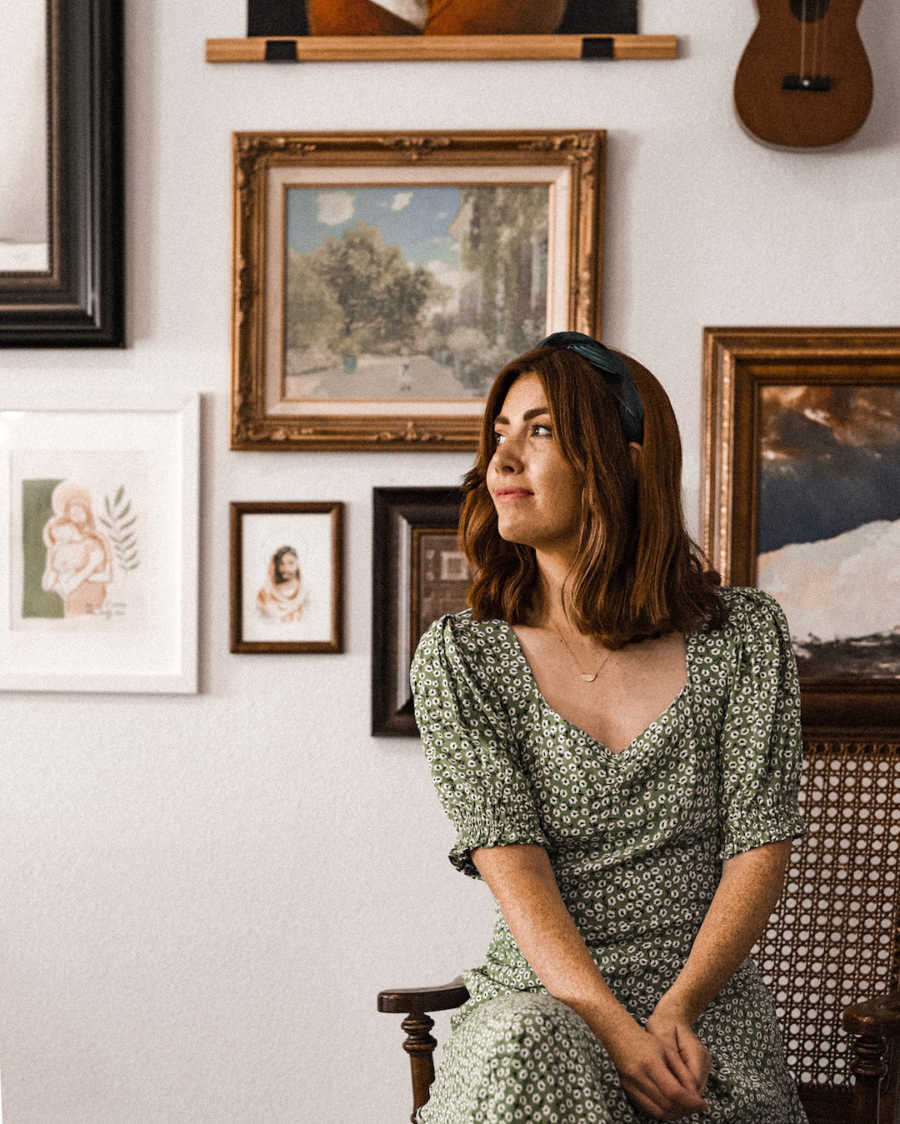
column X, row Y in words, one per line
column 617, row 742
column 282, row 598
column 79, row 558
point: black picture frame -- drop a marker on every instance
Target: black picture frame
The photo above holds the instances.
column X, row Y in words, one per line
column 79, row 300
column 402, row 517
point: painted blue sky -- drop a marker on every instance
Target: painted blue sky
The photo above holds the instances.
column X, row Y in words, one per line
column 416, row 219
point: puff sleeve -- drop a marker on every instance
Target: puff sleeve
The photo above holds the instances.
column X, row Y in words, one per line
column 761, row 746
column 468, row 742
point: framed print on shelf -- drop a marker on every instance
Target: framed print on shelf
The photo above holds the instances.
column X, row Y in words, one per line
column 419, row 573
column 286, row 577
column 61, row 175
column 404, row 30
column 381, row 279
column 99, row 505
column 801, row 497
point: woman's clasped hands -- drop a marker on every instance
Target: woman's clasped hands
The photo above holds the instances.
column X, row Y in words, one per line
column 663, row 1066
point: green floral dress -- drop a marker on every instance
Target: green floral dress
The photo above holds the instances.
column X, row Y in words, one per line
column 636, row 839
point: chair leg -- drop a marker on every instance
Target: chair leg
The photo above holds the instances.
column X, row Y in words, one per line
column 868, row 1068
column 419, row 1044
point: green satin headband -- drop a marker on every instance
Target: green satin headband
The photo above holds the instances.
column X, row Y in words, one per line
column 615, row 374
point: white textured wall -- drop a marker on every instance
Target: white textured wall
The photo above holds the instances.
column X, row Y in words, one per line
column 202, row 896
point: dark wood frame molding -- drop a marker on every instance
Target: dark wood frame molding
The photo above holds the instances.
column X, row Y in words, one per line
column 79, row 301
column 398, row 514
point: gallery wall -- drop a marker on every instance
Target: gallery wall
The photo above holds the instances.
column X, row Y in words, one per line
column 200, row 896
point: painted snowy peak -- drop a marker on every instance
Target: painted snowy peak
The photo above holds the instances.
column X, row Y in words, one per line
column 839, row 588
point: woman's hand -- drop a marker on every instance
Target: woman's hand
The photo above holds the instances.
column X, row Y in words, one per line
column 673, row 1028
column 655, row 1071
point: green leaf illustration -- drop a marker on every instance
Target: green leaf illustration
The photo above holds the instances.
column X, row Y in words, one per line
column 118, row 526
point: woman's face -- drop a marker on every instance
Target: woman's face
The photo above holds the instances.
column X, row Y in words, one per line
column 288, row 567
column 535, row 490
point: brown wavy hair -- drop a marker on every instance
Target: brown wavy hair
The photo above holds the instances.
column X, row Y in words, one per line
column 636, row 573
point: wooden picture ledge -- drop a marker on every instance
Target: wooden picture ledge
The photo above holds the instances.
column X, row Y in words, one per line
column 417, row 48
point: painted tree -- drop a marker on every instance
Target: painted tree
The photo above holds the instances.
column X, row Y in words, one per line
column 376, row 297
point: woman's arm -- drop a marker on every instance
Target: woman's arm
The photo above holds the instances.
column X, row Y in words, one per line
column 743, row 902
column 651, row 1069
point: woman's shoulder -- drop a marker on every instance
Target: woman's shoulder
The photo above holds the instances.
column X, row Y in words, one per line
column 748, row 606
column 456, row 637
column 754, row 619
column 462, row 630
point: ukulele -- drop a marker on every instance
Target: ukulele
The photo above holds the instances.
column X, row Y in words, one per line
column 804, row 79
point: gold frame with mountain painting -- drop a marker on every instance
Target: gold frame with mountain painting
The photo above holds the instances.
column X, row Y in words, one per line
column 801, row 497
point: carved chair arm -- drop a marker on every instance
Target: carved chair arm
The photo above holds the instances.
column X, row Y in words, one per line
column 414, row 1002
column 405, row 1000
column 880, row 1016
column 872, row 1023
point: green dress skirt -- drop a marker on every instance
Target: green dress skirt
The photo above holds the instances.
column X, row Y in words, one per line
column 636, row 839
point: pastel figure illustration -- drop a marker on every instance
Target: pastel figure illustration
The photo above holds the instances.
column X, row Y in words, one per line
column 283, row 597
column 79, row 563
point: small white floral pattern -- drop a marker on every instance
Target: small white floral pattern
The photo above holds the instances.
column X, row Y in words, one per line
column 636, row 839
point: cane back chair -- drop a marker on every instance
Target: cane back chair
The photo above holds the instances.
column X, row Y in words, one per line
column 831, row 952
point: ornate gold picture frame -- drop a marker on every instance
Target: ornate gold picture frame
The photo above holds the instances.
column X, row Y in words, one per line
column 381, row 279
column 801, row 497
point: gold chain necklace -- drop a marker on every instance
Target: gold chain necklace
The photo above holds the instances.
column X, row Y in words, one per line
column 587, row 676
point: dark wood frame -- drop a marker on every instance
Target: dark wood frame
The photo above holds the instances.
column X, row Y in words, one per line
column 237, row 511
column 580, row 151
column 79, row 302
column 737, row 363
column 398, row 514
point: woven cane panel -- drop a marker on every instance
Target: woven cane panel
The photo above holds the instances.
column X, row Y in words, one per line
column 833, row 940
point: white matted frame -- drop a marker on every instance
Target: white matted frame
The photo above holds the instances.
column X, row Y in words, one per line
column 98, row 542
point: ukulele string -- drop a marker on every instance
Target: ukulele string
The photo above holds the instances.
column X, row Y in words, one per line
column 823, row 38
column 802, row 39
column 816, row 16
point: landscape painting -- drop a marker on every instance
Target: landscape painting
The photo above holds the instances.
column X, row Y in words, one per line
column 381, row 279
column 409, row 291
column 828, row 528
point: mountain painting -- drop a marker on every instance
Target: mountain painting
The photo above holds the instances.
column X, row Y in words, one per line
column 829, row 524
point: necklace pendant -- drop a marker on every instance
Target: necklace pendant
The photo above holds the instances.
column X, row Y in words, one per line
column 588, row 676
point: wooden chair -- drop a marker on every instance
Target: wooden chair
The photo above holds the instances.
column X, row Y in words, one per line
column 834, row 940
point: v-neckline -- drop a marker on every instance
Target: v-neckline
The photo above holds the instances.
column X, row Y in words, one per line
column 538, row 694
